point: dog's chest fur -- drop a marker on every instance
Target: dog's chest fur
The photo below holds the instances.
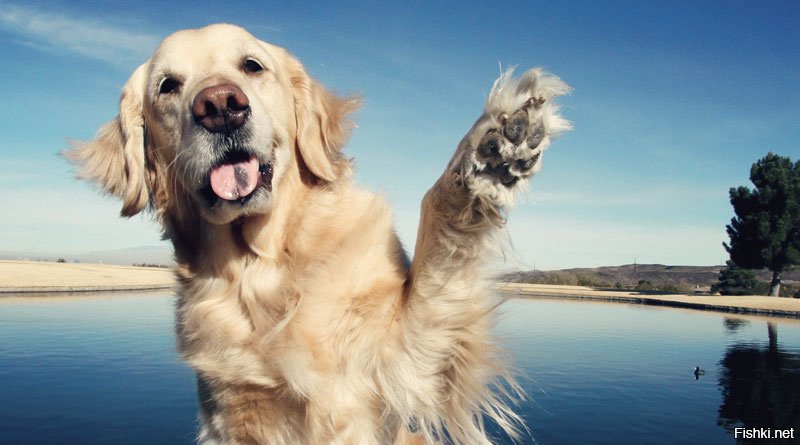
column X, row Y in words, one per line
column 297, row 322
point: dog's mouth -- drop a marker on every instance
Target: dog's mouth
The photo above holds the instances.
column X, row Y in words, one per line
column 237, row 178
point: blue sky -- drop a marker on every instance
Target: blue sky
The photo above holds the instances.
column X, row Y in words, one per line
column 672, row 103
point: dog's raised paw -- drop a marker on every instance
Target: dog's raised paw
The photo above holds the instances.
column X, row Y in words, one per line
column 510, row 153
column 504, row 148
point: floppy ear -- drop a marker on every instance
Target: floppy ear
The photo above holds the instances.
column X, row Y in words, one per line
column 115, row 159
column 322, row 124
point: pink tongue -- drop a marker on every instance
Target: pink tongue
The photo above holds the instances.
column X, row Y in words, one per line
column 235, row 180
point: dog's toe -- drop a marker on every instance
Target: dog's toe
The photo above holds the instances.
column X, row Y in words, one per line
column 489, row 146
column 536, row 134
column 516, row 127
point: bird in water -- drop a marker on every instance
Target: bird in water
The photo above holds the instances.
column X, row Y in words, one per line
column 698, row 372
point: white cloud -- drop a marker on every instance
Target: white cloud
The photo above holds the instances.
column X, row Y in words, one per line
column 92, row 38
column 70, row 218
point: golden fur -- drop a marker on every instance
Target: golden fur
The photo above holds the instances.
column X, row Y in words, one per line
column 305, row 322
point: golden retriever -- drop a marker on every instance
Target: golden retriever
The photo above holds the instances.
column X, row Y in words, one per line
column 298, row 308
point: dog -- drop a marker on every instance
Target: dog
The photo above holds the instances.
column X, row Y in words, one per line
column 297, row 307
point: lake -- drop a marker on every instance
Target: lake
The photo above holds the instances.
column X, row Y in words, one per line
column 102, row 369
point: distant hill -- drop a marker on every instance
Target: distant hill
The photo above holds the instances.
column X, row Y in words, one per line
column 682, row 278
column 151, row 255
column 159, row 255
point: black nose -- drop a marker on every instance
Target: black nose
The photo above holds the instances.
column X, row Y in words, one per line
column 221, row 108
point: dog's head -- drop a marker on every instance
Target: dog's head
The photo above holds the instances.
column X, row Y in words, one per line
column 213, row 123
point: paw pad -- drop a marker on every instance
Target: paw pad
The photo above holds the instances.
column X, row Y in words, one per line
column 509, row 153
column 517, row 125
column 489, row 146
column 536, row 134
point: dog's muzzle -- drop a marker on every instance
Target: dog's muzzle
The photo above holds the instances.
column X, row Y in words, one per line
column 223, row 110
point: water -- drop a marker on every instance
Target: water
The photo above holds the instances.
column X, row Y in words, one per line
column 96, row 370
column 103, row 370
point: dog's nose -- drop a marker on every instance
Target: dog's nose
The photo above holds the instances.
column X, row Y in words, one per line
column 221, row 108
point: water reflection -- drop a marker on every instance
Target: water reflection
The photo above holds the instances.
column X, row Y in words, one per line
column 734, row 324
column 103, row 369
column 760, row 385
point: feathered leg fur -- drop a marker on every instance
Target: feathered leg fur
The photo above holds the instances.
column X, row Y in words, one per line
column 448, row 302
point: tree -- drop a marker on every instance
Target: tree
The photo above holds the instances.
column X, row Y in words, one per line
column 733, row 280
column 644, row 285
column 760, row 386
column 765, row 233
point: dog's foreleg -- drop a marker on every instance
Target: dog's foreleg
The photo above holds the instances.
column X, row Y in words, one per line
column 447, row 303
column 492, row 165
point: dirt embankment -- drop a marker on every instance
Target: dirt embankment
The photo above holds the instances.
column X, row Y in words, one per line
column 33, row 276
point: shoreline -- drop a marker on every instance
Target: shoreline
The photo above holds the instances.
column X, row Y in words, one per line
column 752, row 305
column 34, row 277
column 58, row 290
column 26, row 278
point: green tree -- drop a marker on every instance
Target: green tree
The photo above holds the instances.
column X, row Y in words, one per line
column 644, row 285
column 733, row 280
column 765, row 233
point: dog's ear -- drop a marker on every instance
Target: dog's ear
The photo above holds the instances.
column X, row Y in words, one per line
column 115, row 158
column 322, row 124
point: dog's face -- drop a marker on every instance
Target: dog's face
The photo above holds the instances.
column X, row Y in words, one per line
column 217, row 118
column 219, row 103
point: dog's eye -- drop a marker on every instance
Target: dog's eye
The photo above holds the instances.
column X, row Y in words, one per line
column 252, row 66
column 169, row 85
